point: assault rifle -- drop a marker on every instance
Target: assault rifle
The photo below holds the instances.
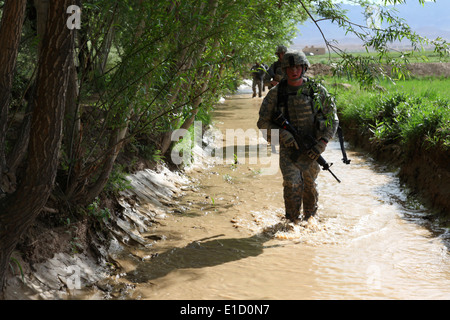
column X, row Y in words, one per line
column 341, row 142
column 304, row 141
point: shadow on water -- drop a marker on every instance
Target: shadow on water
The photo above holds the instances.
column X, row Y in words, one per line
column 198, row 254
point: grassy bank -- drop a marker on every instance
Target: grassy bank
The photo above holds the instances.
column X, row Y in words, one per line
column 407, row 124
column 411, row 113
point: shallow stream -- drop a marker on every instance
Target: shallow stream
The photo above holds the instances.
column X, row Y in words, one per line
column 224, row 238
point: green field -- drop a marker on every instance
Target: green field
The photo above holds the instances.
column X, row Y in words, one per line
column 412, row 113
column 423, row 57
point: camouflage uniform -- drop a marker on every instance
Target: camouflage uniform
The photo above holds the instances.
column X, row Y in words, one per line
column 275, row 71
column 299, row 170
column 258, row 72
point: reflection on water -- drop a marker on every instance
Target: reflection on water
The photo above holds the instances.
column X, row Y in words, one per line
column 224, row 238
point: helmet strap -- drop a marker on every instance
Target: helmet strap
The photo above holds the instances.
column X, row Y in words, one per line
column 305, row 68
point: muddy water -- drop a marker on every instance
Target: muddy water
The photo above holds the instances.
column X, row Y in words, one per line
column 224, row 239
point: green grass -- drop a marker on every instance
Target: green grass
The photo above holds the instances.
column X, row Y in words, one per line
column 429, row 87
column 412, row 113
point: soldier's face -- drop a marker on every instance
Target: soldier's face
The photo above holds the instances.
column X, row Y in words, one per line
column 294, row 73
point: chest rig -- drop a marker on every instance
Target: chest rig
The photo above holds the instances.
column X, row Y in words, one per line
column 283, row 97
column 310, row 91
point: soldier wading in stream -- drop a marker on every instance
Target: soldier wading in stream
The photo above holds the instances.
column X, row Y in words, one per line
column 310, row 110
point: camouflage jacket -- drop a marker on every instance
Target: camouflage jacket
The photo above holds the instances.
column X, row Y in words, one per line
column 310, row 109
column 258, row 71
column 275, row 71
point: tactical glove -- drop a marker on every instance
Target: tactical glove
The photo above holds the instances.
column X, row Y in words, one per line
column 315, row 152
column 277, row 78
column 287, row 139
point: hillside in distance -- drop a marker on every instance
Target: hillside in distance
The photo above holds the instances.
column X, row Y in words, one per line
column 429, row 20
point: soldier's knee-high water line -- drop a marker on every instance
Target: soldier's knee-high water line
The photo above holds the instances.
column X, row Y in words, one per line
column 222, row 239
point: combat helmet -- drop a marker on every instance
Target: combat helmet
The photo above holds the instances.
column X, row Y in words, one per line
column 281, row 49
column 295, row 58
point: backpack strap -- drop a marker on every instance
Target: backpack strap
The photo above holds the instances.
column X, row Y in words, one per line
column 283, row 98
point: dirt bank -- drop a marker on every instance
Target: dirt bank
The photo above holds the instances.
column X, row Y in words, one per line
column 53, row 263
column 428, row 172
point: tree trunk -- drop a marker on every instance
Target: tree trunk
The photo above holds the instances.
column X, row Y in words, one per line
column 16, row 156
column 19, row 210
column 105, row 49
column 114, row 146
column 10, row 34
column 19, row 150
column 41, row 11
column 72, row 125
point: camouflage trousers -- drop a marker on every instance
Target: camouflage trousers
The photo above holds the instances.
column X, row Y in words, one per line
column 299, row 183
column 258, row 82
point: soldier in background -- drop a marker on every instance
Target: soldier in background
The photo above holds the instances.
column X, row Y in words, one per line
column 275, row 71
column 258, row 73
